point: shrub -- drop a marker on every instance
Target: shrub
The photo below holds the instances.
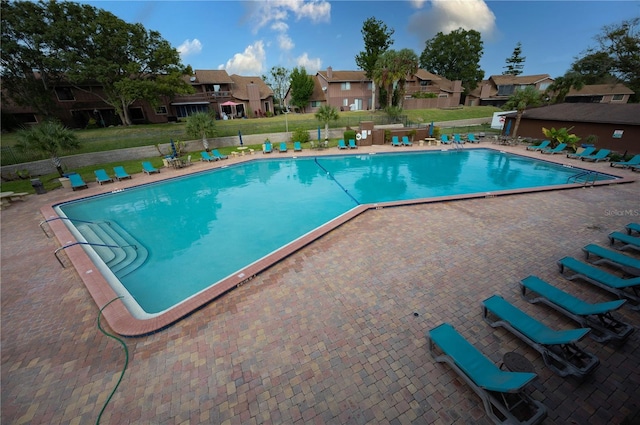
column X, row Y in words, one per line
column 387, row 136
column 300, row 135
column 349, row 135
column 421, row 95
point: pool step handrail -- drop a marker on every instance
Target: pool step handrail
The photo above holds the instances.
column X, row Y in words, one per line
column 593, row 174
column 86, row 243
column 63, row 218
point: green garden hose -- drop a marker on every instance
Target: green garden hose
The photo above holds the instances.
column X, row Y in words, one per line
column 126, row 358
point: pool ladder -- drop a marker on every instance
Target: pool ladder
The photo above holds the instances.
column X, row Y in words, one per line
column 589, row 177
column 459, row 146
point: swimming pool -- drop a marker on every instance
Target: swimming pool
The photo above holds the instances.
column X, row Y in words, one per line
column 185, row 235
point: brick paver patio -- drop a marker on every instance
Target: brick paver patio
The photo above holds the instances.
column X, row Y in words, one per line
column 333, row 334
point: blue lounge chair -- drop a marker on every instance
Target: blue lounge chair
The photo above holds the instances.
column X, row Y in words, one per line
column 541, row 146
column 218, row 155
column 457, row 139
column 120, row 173
column 629, row 241
column 626, row 164
column 76, row 181
column 604, row 326
column 445, row 139
column 628, row 264
column 634, row 167
column 148, row 168
column 616, row 285
column 102, row 177
column 558, row 149
column 352, row 144
column 395, row 141
column 206, row 156
column 405, row 141
column 267, row 148
column 471, row 138
column 493, row 385
column 341, row 144
column 632, row 227
column 600, row 156
column 558, row 348
column 586, row 152
column 297, row 147
column 283, row 147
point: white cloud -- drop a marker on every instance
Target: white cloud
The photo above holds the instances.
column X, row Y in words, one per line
column 311, row 65
column 249, row 62
column 285, row 42
column 190, row 47
column 279, row 26
column 417, row 4
column 449, row 15
column 279, row 11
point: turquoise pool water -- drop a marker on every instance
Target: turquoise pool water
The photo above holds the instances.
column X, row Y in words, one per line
column 194, row 231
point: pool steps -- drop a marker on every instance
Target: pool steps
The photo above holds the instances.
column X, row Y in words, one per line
column 121, row 261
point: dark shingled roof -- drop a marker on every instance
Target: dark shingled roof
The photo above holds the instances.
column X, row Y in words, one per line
column 606, row 113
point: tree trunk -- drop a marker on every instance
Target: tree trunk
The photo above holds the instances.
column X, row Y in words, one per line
column 205, row 143
column 58, row 164
column 373, row 95
column 517, row 124
column 326, row 131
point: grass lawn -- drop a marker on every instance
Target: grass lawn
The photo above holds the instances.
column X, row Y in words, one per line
column 104, row 139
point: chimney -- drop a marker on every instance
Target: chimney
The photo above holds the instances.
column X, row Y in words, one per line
column 329, row 72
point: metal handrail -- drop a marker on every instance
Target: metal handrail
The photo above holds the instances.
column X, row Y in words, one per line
column 88, row 243
column 64, row 218
column 575, row 177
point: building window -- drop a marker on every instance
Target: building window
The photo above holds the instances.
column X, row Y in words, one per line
column 345, row 102
column 26, row 118
column 345, row 86
column 369, row 85
column 64, row 93
column 136, row 114
column 316, row 103
column 161, row 110
column 505, row 90
column 443, row 95
column 424, row 82
column 544, row 86
column 617, row 97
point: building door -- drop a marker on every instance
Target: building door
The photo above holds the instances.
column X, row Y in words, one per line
column 358, row 103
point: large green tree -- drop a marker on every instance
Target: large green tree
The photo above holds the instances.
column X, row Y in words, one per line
column 617, row 54
column 560, row 87
column 455, row 56
column 520, row 101
column 301, row 88
column 515, row 63
column 377, row 40
column 49, row 137
column 278, row 80
column 88, row 47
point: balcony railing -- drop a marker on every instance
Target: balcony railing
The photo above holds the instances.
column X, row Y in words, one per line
column 203, row 97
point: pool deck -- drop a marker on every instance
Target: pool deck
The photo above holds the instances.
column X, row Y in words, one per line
column 328, row 334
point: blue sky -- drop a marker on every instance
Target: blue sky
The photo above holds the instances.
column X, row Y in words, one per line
column 249, row 37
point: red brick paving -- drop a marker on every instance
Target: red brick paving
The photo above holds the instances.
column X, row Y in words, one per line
column 327, row 335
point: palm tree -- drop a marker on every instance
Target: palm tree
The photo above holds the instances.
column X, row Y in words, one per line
column 51, row 138
column 325, row 115
column 391, row 71
column 201, row 125
column 520, row 100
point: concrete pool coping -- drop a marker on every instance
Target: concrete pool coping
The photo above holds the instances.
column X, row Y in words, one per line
column 121, row 320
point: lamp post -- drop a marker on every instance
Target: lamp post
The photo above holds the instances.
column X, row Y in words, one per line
column 286, row 120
